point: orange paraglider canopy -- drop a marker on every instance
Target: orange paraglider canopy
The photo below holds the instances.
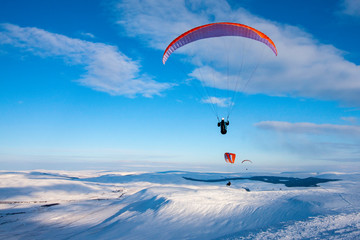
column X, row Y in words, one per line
column 220, row 29
column 230, row 157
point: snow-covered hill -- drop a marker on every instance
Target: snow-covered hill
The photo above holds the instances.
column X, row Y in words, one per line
column 178, row 205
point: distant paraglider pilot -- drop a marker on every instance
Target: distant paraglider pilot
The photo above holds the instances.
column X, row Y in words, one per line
column 223, row 126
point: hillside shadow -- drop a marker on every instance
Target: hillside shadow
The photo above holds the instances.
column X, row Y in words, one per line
column 287, row 181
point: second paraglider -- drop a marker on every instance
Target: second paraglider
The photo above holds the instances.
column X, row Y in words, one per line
column 246, row 161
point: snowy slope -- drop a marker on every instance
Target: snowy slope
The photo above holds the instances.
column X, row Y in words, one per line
column 177, row 205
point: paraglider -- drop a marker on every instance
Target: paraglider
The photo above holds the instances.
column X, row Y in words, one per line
column 230, row 157
column 246, row 160
column 215, row 30
column 223, row 126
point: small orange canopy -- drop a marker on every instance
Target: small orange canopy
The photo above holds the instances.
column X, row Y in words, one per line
column 230, row 157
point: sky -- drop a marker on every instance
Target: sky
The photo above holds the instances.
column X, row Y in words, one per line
column 82, row 83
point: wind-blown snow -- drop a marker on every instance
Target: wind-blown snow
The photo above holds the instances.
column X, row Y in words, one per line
column 178, row 205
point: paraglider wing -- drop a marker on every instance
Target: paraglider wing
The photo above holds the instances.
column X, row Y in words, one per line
column 230, row 157
column 246, row 161
column 218, row 30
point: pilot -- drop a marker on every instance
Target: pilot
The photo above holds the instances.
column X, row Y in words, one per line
column 223, row 126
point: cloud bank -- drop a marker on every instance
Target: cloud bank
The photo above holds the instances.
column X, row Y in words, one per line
column 311, row 141
column 303, row 68
column 107, row 69
column 309, row 128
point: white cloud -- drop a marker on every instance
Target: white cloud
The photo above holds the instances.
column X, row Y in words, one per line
column 108, row 70
column 88, row 35
column 157, row 22
column 217, row 79
column 350, row 119
column 351, row 7
column 221, row 102
column 303, row 68
column 309, row 128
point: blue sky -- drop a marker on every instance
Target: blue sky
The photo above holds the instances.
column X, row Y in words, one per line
column 83, row 82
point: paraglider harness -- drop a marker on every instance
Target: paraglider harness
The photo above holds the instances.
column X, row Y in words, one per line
column 223, row 126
